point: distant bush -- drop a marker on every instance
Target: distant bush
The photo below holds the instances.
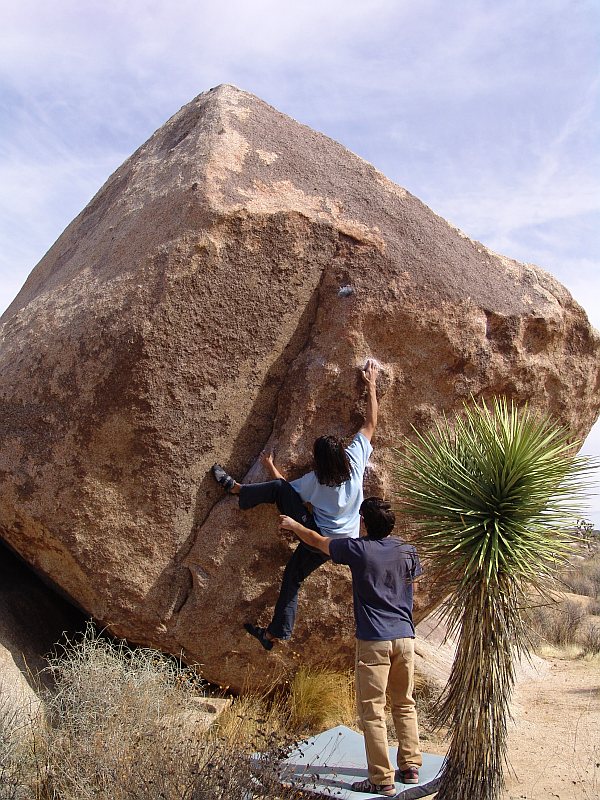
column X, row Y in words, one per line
column 590, row 641
column 593, row 608
column 557, row 624
column 583, row 577
column 587, row 535
column 566, row 623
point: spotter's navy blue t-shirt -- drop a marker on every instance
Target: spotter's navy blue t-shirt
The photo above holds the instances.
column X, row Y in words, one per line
column 382, row 574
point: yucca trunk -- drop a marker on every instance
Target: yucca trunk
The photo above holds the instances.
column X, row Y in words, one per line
column 475, row 704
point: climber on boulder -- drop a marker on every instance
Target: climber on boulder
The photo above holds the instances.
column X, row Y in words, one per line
column 334, row 489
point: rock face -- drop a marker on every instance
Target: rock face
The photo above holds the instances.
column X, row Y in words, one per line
column 215, row 297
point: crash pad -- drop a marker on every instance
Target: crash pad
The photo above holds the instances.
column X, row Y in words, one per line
column 327, row 764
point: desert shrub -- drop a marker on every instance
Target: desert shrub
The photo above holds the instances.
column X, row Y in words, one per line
column 583, row 577
column 594, row 608
column 556, row 623
column 104, row 717
column 590, row 641
column 117, row 727
column 11, row 746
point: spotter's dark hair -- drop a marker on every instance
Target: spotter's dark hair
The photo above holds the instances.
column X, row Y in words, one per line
column 331, row 464
column 378, row 517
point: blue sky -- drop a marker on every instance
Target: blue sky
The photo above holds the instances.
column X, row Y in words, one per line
column 487, row 110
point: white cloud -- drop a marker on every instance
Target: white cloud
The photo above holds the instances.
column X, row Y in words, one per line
column 482, row 109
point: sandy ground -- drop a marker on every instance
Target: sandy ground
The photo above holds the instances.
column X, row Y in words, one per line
column 554, row 738
column 554, row 744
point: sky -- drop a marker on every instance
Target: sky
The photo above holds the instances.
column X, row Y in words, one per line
column 487, row 110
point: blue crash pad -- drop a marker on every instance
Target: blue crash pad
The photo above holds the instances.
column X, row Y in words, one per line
column 328, row 763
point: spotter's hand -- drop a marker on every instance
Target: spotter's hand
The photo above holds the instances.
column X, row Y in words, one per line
column 287, row 523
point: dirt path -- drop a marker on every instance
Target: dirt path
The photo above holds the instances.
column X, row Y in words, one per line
column 554, row 744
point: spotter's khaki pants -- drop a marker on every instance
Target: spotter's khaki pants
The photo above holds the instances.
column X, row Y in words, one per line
column 380, row 666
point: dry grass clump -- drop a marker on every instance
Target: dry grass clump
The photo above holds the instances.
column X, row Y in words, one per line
column 321, row 698
column 14, row 733
column 118, row 727
column 313, row 699
column 252, row 717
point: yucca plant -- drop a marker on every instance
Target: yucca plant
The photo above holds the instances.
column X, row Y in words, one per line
column 492, row 497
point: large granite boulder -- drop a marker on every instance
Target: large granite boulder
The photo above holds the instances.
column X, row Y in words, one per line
column 217, row 296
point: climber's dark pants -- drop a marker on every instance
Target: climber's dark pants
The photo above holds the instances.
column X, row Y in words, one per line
column 303, row 561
